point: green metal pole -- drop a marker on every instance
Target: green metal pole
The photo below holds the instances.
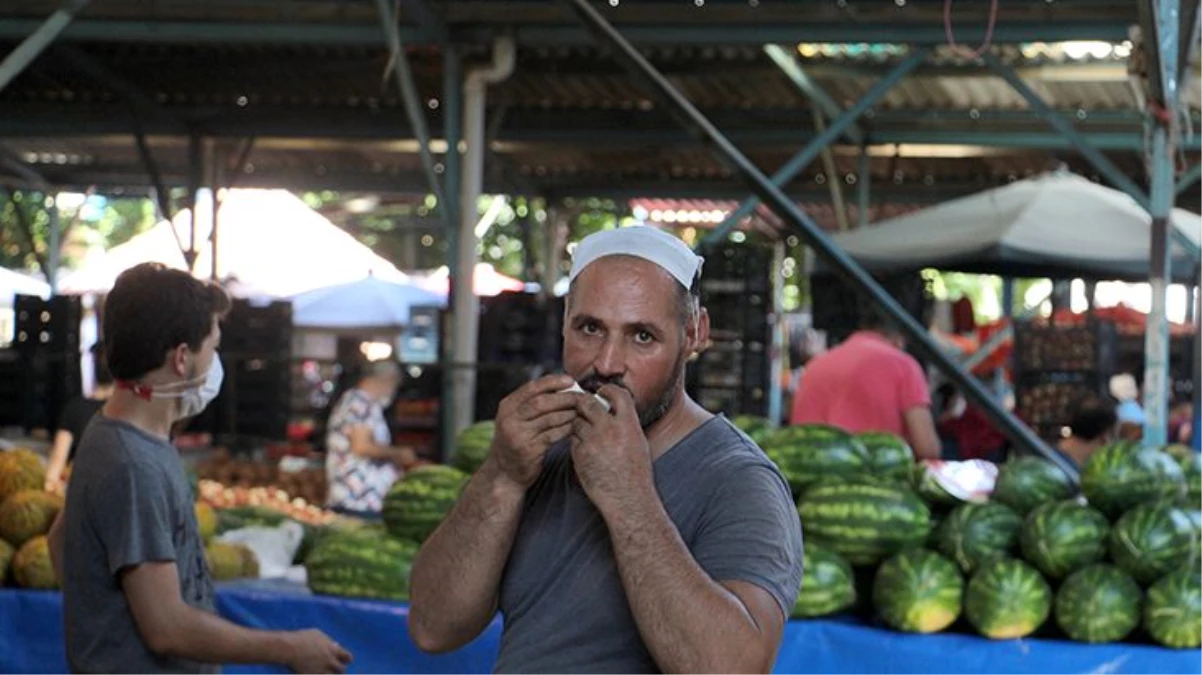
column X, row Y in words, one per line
column 452, row 116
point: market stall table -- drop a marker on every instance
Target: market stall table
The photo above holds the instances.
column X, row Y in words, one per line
column 31, row 641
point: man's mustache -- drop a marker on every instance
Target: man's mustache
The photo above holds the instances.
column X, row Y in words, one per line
column 592, row 382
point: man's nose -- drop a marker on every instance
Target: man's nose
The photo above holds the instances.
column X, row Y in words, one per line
column 610, row 360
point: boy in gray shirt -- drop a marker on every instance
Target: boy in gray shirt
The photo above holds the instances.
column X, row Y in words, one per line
column 137, row 596
column 635, row 534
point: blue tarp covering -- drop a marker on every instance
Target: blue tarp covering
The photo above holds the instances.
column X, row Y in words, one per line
column 31, row 641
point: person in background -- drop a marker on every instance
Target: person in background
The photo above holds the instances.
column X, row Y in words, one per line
column 1094, row 425
column 966, row 433
column 1131, row 417
column 869, row 383
column 1181, row 420
column 74, row 419
column 361, row 463
column 137, row 593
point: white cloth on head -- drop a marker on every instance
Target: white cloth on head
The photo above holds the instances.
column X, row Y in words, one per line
column 640, row 241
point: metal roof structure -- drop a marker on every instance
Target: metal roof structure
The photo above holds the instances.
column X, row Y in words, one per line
column 308, row 81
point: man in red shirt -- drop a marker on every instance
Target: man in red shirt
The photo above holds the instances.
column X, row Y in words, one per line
column 869, row 383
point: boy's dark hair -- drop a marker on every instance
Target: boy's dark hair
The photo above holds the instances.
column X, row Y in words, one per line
column 151, row 310
column 1093, row 418
column 100, row 365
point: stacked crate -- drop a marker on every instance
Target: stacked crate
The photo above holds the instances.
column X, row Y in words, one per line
column 521, row 334
column 48, row 349
column 1057, row 367
column 733, row 375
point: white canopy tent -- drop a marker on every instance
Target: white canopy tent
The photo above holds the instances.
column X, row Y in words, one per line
column 1056, row 225
column 14, row 283
column 269, row 242
column 371, row 302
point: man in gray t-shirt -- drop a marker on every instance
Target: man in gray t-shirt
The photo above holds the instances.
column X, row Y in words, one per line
column 617, row 525
column 137, row 597
column 129, row 503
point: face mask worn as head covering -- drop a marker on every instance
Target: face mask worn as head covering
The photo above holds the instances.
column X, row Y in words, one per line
column 640, row 241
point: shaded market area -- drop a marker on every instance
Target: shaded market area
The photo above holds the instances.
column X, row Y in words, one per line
column 1012, row 187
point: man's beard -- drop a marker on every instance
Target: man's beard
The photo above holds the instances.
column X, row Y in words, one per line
column 660, row 402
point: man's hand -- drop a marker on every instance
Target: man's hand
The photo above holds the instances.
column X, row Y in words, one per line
column 610, row 451
column 529, row 421
column 314, row 652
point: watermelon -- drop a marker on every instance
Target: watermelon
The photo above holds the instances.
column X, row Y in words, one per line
column 1060, row 537
column 1182, row 453
column 888, row 454
column 757, row 428
column 1191, row 466
column 20, row 470
column 1153, row 539
column 807, row 453
column 26, row 514
column 361, row 565
column 929, row 489
column 827, row 584
column 1123, row 475
column 864, row 523
column 973, row 534
column 1006, row 599
column 1098, row 603
column 1173, row 610
column 472, row 445
column 918, row 591
column 417, row 503
column 1026, row 482
column 32, row 567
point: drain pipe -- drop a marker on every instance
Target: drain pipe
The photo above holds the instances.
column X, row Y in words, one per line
column 466, row 308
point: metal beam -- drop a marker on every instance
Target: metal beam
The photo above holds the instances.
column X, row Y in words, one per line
column 1082, row 143
column 425, row 17
column 414, row 110
column 364, row 34
column 1021, row 435
column 452, row 110
column 863, row 186
column 1187, row 179
column 36, row 40
column 802, row 159
column 791, row 67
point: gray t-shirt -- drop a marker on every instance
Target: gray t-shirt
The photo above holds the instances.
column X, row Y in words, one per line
column 564, row 606
column 128, row 503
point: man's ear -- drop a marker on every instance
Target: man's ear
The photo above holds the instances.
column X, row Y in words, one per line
column 699, row 332
column 177, row 359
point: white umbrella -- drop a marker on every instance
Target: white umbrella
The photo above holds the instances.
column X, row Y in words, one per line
column 371, row 302
column 1053, row 225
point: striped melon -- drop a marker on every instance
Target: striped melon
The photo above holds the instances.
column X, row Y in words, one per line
column 361, row 565
column 472, row 445
column 1153, row 539
column 888, row 454
column 20, row 470
column 808, row 453
column 918, row 591
column 1060, row 537
column 1098, row 603
column 1007, row 599
column 1123, row 475
column 416, row 504
column 26, row 514
column 864, row 523
column 32, row 567
column 827, row 584
column 973, row 534
column 6, row 558
column 1173, row 610
column 1026, row 482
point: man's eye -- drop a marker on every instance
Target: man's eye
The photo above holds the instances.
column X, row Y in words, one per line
column 643, row 337
column 590, row 329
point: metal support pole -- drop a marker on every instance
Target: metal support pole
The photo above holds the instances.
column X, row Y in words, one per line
column 1008, row 297
column 792, row 68
column 36, row 43
column 863, row 185
column 195, row 173
column 1079, row 141
column 1161, row 22
column 832, row 178
column 776, row 353
column 1187, row 179
column 802, row 159
column 52, row 256
column 699, row 126
column 452, row 124
column 1196, row 360
column 409, row 95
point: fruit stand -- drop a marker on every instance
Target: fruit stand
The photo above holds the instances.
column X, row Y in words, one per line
column 907, row 568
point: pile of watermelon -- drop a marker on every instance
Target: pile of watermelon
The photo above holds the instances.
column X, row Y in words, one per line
column 1119, row 561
